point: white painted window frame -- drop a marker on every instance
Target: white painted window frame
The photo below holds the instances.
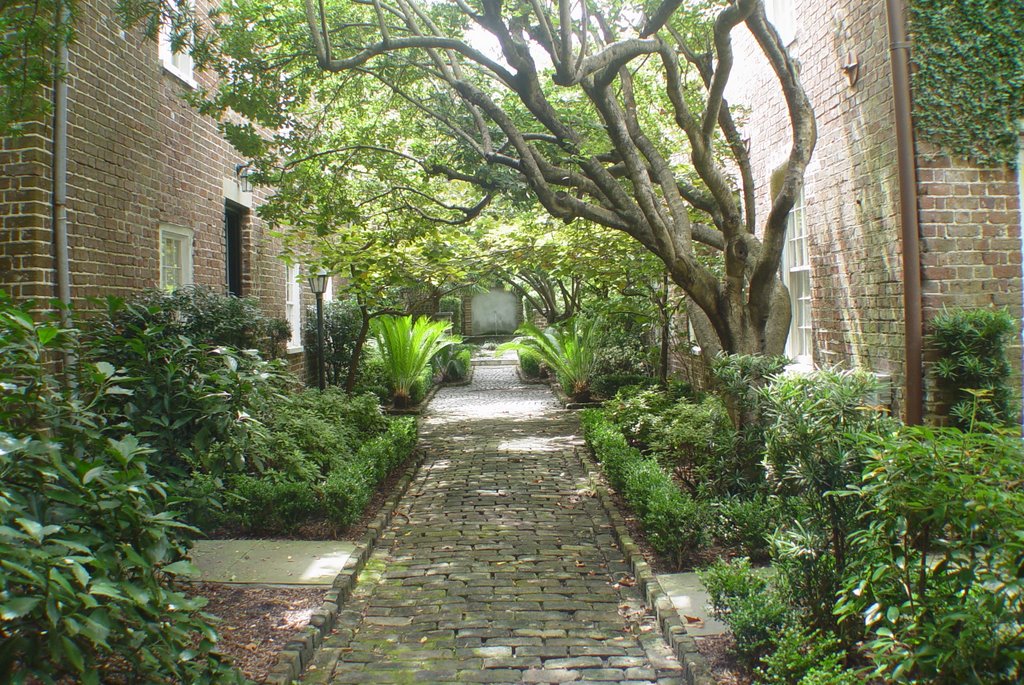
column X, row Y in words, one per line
column 185, row 237
column 293, row 306
column 180, row 64
column 796, row 274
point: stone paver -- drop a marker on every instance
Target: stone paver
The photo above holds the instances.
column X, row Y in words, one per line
column 278, row 562
column 499, row 566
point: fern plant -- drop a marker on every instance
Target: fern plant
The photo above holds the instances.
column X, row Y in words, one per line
column 569, row 350
column 407, row 348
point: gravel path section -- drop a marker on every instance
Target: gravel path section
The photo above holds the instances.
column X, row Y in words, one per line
column 500, row 566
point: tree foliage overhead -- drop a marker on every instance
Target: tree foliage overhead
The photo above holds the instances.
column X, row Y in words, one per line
column 969, row 77
column 609, row 111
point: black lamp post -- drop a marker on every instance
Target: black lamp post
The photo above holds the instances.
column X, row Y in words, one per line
column 318, row 284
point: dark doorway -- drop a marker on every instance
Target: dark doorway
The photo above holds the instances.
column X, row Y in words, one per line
column 234, row 215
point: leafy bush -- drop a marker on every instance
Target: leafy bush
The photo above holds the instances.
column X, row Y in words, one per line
column 636, row 409
column 183, row 398
column 608, row 385
column 694, row 435
column 568, row 350
column 974, row 366
column 746, row 524
column 531, row 364
column 751, row 604
column 814, row 450
column 452, row 304
column 452, row 364
column 342, row 322
column 677, row 524
column 938, row 563
column 207, row 317
column 806, row 657
column 407, row 348
column 89, row 542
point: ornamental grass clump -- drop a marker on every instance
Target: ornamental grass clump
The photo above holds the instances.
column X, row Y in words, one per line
column 407, row 348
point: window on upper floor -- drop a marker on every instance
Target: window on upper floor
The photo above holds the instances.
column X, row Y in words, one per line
column 179, row 62
column 782, row 15
column 293, row 306
column 796, row 274
column 175, row 257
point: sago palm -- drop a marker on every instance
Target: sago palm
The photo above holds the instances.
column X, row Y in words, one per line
column 568, row 350
column 407, row 349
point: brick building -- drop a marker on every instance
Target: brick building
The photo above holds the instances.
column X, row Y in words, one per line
column 844, row 260
column 155, row 196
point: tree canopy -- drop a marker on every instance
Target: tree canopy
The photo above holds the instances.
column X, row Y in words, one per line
column 609, row 112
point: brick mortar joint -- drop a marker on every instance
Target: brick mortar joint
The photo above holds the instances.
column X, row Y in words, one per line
column 695, row 669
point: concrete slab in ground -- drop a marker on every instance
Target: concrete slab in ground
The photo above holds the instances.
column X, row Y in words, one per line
column 273, row 562
column 691, row 599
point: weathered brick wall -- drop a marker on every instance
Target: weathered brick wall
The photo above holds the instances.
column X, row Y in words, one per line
column 25, row 243
column 851, row 197
column 138, row 157
column 970, row 245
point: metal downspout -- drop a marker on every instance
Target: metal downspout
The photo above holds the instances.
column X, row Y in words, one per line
column 899, row 50
column 60, row 169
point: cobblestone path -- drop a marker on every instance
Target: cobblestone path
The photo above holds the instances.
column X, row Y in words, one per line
column 499, row 566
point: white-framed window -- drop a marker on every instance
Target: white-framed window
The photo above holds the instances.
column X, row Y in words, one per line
column 293, row 306
column 796, row 274
column 781, row 14
column 178, row 63
column 175, row 256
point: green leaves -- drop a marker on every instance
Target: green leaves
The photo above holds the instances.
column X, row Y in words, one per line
column 407, row 348
column 568, row 349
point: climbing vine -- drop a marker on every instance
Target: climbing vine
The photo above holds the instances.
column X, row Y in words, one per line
column 969, row 76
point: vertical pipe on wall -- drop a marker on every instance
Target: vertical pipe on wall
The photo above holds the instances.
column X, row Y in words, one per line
column 60, row 166
column 1020, row 219
column 899, row 50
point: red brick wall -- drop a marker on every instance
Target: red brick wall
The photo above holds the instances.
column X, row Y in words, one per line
column 970, row 228
column 970, row 243
column 138, row 157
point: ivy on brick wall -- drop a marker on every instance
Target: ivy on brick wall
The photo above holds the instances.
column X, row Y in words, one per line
column 969, row 76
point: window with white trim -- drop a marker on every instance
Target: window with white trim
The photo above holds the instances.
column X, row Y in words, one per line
column 781, row 15
column 178, row 63
column 175, row 257
column 293, row 306
column 796, row 273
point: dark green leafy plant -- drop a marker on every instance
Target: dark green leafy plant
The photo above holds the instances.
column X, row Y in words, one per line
column 342, row 322
column 568, row 350
column 206, row 317
column 89, row 539
column 974, row 366
column 814, row 450
column 968, row 76
column 531, row 364
column 452, row 364
column 937, row 578
column 805, row 657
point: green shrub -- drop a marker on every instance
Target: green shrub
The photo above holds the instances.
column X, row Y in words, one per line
column 568, row 350
column 89, row 542
column 814, row 450
column 938, row 564
column 751, row 604
column 207, row 317
column 805, row 657
column 342, row 322
column 452, row 364
column 698, row 436
column 269, row 504
column 676, row 523
column 974, row 366
column 607, row 385
column 746, row 524
column 183, row 398
column 530, row 364
column 452, row 304
column 636, row 409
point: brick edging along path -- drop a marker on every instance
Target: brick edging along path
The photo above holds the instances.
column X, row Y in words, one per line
column 500, row 565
